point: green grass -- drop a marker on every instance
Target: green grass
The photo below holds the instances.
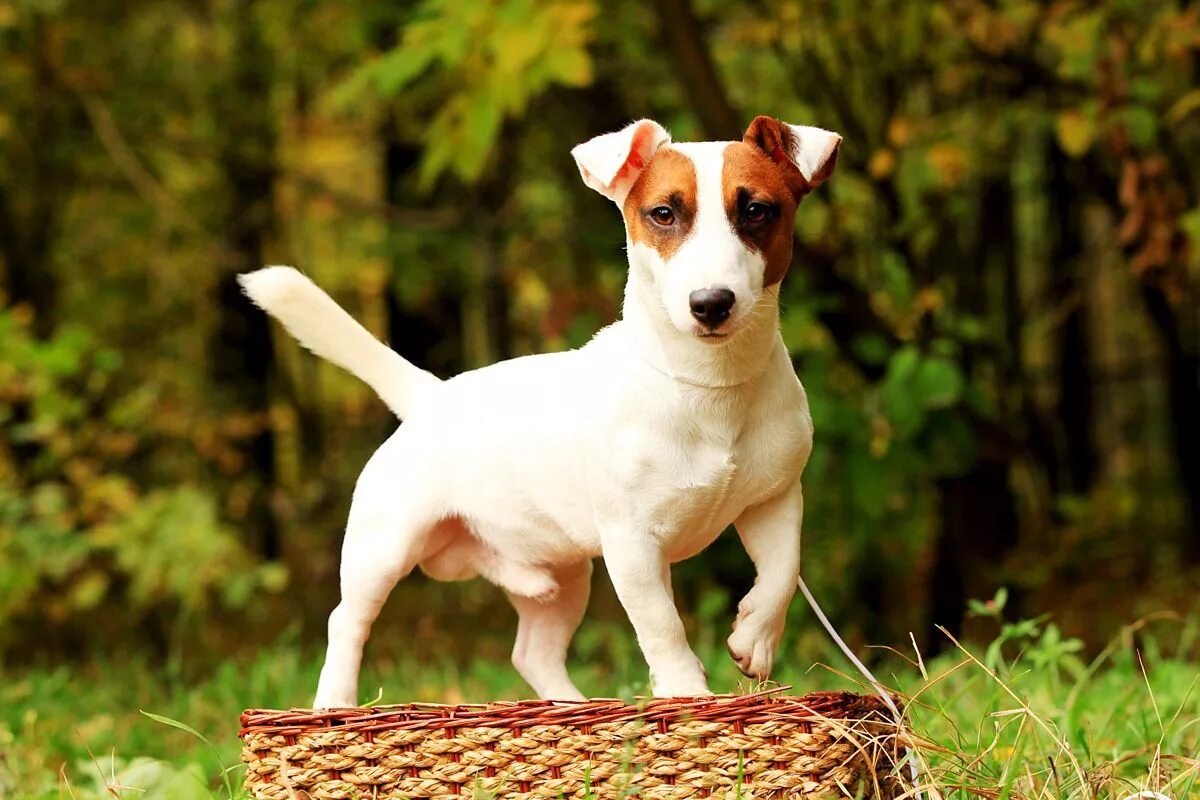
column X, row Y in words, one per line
column 1026, row 717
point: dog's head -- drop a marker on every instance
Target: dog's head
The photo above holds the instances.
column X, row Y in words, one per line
column 709, row 223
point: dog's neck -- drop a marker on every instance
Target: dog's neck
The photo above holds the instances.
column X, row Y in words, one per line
column 684, row 357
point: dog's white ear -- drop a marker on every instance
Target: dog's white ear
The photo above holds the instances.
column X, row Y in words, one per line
column 611, row 163
column 812, row 151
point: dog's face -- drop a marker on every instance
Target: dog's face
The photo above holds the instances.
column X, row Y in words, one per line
column 710, row 223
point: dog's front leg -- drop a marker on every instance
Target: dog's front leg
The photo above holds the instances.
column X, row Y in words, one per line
column 770, row 532
column 642, row 577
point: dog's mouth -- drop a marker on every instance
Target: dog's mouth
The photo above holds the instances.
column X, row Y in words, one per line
column 713, row 336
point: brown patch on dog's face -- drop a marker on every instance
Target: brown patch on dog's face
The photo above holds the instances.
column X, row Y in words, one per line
column 776, row 140
column 760, row 202
column 779, row 142
column 661, row 206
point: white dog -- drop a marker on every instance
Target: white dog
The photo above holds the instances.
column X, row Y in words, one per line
column 640, row 447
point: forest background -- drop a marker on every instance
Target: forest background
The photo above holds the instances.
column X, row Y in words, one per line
column 993, row 304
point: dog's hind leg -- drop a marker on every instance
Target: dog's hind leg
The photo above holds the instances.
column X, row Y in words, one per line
column 544, row 632
column 386, row 535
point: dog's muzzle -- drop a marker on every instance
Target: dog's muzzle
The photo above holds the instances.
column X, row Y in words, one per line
column 711, row 307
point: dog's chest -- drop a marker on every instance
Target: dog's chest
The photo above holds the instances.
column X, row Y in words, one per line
column 690, row 475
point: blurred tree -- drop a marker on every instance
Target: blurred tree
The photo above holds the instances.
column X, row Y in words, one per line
column 41, row 117
column 993, row 306
column 243, row 105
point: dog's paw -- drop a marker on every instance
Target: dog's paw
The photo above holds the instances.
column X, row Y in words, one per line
column 328, row 699
column 752, row 647
column 757, row 601
column 690, row 680
column 681, row 689
column 745, row 607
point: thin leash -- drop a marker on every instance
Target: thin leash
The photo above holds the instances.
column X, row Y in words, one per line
column 879, row 688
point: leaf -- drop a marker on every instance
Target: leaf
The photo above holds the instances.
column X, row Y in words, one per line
column 949, row 163
column 485, row 65
column 938, row 383
column 89, row 590
column 904, row 364
column 882, row 163
column 1189, row 223
column 1075, row 131
column 572, row 67
column 904, row 414
column 1184, row 106
column 183, row 726
column 1141, row 123
column 870, row 348
column 174, row 723
column 1075, row 40
column 869, row 487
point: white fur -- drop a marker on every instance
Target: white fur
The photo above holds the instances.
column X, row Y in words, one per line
column 640, row 447
column 602, row 159
column 813, row 148
column 326, row 329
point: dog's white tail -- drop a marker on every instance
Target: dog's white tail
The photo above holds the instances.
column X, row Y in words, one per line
column 324, row 327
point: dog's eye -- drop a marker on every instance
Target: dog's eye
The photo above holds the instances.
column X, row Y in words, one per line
column 663, row 215
column 756, row 212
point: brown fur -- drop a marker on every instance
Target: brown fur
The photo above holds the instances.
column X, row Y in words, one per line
column 777, row 142
column 669, row 180
column 748, row 176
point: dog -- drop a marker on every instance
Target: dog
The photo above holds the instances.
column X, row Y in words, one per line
column 641, row 447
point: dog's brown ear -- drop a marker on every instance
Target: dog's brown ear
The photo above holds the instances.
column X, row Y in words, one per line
column 810, row 152
column 611, row 163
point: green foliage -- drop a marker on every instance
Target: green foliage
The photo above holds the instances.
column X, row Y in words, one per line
column 915, row 385
column 1007, row 168
column 77, row 534
column 1046, row 723
column 488, row 62
column 1041, row 645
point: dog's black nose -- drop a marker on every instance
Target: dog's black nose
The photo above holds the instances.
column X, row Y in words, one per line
column 711, row 306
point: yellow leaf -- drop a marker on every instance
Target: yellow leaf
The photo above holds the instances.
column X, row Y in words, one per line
column 89, row 590
column 900, row 131
column 882, row 164
column 532, row 294
column 929, row 299
column 1075, row 132
column 949, row 162
column 1184, row 106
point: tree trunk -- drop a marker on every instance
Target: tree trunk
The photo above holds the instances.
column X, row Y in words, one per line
column 978, row 528
column 1182, row 375
column 241, row 352
column 977, row 511
column 1180, row 340
column 431, row 336
column 488, row 333
column 1076, row 405
column 684, row 37
column 25, row 239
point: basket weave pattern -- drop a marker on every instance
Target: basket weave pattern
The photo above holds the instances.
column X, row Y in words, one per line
column 820, row 745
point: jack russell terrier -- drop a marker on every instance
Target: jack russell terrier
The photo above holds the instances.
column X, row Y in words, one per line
column 641, row 447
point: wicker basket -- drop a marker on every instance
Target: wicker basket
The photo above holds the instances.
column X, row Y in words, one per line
column 827, row 744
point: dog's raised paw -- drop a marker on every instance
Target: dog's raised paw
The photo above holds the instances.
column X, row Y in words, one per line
column 753, row 654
